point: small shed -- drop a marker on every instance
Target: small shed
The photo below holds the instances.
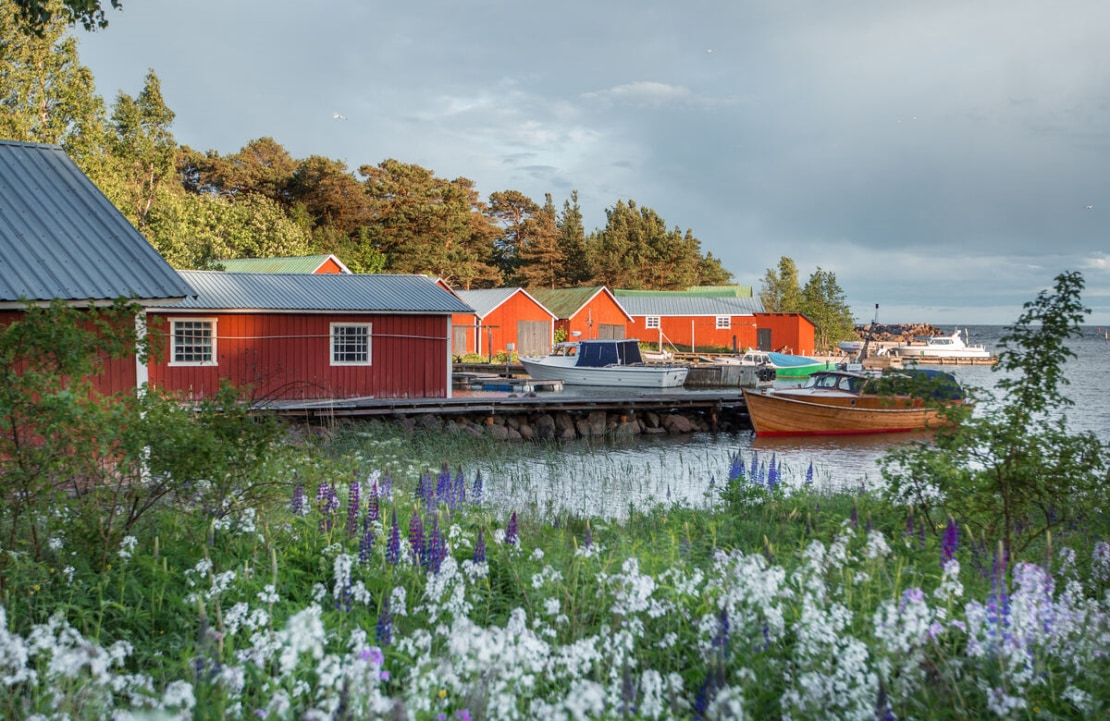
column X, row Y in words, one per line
column 592, row 313
column 61, row 238
column 505, row 316
column 312, row 264
column 692, row 323
column 785, row 332
column 311, row 337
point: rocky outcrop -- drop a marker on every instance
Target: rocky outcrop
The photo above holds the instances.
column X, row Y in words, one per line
column 897, row 332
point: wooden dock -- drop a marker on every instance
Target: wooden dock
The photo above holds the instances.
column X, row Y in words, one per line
column 728, row 402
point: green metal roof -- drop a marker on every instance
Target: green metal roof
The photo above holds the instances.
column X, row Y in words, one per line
column 299, row 264
column 565, row 302
column 696, row 291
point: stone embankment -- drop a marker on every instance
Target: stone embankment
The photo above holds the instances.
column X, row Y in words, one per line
column 569, row 425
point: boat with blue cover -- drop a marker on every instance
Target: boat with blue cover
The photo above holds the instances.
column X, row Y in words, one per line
column 603, row 362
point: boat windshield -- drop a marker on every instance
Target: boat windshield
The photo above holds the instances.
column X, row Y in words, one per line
column 834, row 381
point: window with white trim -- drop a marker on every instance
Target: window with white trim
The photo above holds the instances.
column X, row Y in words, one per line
column 651, row 321
column 350, row 344
column 193, row 342
column 724, row 322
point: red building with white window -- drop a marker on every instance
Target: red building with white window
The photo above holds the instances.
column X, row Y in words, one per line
column 296, row 336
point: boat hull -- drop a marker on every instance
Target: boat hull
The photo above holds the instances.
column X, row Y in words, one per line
column 617, row 375
column 774, row 414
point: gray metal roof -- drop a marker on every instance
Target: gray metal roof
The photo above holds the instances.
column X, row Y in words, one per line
column 355, row 293
column 60, row 237
column 680, row 305
column 485, row 301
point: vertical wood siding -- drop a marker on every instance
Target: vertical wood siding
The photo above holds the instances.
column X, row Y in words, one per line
column 700, row 330
column 790, row 332
column 601, row 310
column 505, row 316
column 288, row 356
column 115, row 375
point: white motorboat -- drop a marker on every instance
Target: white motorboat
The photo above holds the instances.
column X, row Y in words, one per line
column 611, row 362
column 944, row 347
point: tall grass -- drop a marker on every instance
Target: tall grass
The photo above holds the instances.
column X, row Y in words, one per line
column 767, row 597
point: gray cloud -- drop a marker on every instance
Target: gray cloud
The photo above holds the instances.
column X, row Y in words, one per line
column 938, row 157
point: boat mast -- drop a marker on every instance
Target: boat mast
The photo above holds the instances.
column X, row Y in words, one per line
column 867, row 340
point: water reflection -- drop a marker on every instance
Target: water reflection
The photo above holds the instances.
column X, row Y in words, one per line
column 607, row 480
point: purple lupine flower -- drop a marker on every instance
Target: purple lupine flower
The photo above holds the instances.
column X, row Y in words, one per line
column 443, row 483
column 425, row 491
column 950, row 541
column 754, row 473
column 511, row 531
column 910, row 531
column 459, row 494
column 373, row 507
column 393, row 550
column 809, row 474
column 476, row 491
column 883, row 711
column 684, row 546
column 437, row 547
column 480, row 548
column 998, row 601
column 588, row 542
column 772, row 473
column 384, row 632
column 429, row 551
column 353, row 501
column 720, row 641
column 299, row 507
column 416, row 535
column 736, row 467
column 366, row 544
column 328, row 503
column 387, row 485
column 855, row 515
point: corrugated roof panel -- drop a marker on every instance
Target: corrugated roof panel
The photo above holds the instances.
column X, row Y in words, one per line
column 297, row 291
column 60, row 237
column 565, row 302
column 484, row 301
column 689, row 305
column 300, row 264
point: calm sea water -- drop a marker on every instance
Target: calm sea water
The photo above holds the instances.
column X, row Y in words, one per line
column 610, row 479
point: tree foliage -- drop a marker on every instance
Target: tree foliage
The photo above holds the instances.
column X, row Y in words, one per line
column 46, row 95
column 821, row 300
column 824, row 303
column 34, row 16
column 1015, row 471
column 781, row 292
column 198, row 208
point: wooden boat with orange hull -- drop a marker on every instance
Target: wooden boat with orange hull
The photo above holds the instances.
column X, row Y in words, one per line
column 843, row 403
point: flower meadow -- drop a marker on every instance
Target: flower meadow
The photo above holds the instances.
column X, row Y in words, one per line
column 366, row 585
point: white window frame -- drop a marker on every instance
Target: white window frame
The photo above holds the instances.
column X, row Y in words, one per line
column 651, row 321
column 724, row 322
column 368, row 327
column 213, row 358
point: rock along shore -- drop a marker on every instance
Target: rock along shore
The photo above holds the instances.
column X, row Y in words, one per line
column 570, row 425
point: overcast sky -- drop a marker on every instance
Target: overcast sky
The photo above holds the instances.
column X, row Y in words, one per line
column 944, row 158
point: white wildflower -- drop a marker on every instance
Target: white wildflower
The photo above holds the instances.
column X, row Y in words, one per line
column 127, row 547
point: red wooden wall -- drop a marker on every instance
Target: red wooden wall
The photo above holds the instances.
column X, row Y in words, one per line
column 790, row 332
column 116, row 374
column 288, row 356
column 701, row 331
column 601, row 310
column 503, row 320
